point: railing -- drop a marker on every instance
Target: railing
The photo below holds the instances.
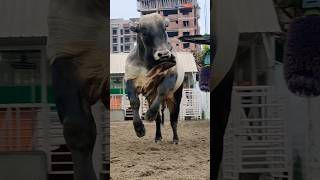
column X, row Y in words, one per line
column 164, row 4
column 50, row 140
column 255, row 140
column 17, row 122
column 115, row 102
column 34, row 127
column 190, row 105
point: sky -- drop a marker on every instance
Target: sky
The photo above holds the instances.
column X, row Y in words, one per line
column 128, row 9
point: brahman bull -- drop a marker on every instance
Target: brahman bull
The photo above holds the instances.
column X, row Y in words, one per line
column 77, row 49
column 152, row 69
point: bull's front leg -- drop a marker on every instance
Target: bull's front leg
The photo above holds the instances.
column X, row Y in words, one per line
column 163, row 89
column 135, row 105
column 79, row 128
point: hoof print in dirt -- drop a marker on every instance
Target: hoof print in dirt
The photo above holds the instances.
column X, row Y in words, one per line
column 139, row 128
column 147, row 173
column 154, row 149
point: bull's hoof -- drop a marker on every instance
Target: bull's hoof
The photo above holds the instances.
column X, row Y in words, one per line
column 158, row 140
column 151, row 115
column 139, row 128
column 175, row 141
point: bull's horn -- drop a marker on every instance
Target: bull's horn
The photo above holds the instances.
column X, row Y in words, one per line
column 135, row 27
column 166, row 22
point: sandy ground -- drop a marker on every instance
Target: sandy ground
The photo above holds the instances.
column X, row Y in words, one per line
column 134, row 158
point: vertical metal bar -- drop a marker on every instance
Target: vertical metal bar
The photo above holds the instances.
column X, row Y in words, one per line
column 18, row 129
column 34, row 131
column 2, row 131
column 32, row 87
column 5, row 129
column 9, row 126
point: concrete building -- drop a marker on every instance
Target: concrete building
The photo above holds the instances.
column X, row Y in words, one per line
column 121, row 38
column 183, row 14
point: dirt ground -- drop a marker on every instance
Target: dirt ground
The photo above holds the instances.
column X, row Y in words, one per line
column 134, row 158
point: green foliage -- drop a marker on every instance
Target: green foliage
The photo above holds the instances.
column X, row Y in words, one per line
column 206, row 50
column 200, row 55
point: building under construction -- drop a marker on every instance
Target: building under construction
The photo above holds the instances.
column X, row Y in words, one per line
column 183, row 15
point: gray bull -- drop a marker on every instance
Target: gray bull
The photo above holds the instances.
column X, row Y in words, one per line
column 153, row 70
column 77, row 49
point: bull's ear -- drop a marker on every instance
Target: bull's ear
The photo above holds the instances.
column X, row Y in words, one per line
column 135, row 27
column 166, row 22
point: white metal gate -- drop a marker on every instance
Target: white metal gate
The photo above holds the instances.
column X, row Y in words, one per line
column 256, row 137
column 49, row 134
column 190, row 104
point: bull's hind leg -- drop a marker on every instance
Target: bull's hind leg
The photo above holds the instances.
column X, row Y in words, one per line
column 158, row 137
column 174, row 108
column 159, row 122
column 162, row 112
column 135, row 105
column 79, row 127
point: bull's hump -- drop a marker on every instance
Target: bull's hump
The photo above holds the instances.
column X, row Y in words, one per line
column 85, row 8
column 69, row 24
column 180, row 73
column 133, row 71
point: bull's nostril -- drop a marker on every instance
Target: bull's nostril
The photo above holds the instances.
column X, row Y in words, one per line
column 163, row 54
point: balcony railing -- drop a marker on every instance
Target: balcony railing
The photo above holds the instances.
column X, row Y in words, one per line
column 165, row 4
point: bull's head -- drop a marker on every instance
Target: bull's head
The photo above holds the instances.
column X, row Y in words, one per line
column 151, row 34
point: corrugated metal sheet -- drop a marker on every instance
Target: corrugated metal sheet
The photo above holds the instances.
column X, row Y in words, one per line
column 117, row 64
column 23, row 18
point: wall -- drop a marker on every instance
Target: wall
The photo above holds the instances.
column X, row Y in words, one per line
column 23, row 18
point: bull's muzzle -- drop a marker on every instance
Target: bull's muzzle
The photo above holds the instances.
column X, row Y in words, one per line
column 164, row 54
